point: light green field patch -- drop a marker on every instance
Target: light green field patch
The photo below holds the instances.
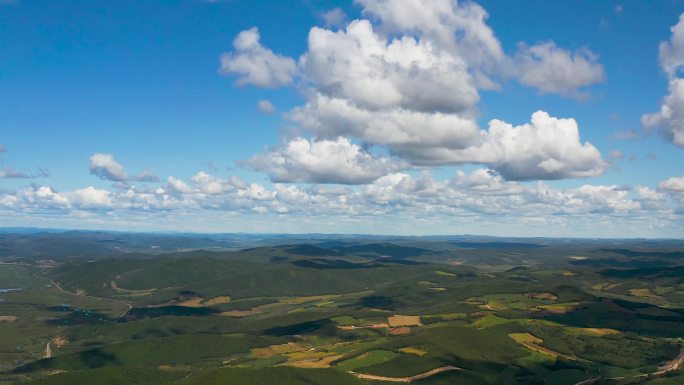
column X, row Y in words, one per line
column 374, row 357
column 542, row 322
column 500, row 302
column 489, row 321
column 345, row 320
column 535, row 359
column 413, row 350
column 444, row 273
column 605, row 286
column 663, row 289
column 552, row 273
column 427, row 283
column 446, row 316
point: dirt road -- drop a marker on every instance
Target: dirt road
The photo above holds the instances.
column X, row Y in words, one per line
column 48, row 351
column 405, row 379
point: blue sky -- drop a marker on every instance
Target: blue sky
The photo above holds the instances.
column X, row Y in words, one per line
column 122, row 115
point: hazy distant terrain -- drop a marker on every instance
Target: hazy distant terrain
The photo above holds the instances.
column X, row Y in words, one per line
column 121, row 308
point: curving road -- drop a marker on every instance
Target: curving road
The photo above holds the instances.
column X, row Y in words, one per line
column 405, row 379
column 672, row 365
column 90, row 296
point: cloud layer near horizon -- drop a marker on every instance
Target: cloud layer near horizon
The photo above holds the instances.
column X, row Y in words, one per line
column 479, row 194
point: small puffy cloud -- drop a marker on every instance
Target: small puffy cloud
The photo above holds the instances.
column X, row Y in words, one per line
column 89, row 197
column 323, row 161
column 334, row 17
column 552, row 69
column 669, row 121
column 178, row 186
column 10, row 173
column 673, row 186
column 204, row 183
column 616, row 155
column 146, row 176
column 208, row 184
column 627, row 134
column 255, row 64
column 671, row 53
column 106, row 167
column 266, row 106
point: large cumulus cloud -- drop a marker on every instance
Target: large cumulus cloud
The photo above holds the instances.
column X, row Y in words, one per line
column 407, row 76
column 669, row 119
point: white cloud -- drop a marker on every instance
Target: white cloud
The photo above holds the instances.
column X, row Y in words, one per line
column 616, row 155
column 11, row 173
column 323, row 161
column 669, row 121
column 178, row 186
column 333, row 117
column 671, row 53
column 365, row 68
column 89, row 197
column 410, row 82
column 255, row 64
column 627, row 134
column 459, row 27
column 407, row 77
column 548, row 148
column 479, row 197
column 208, row 184
column 334, row 17
column 106, row 167
column 266, row 106
column 673, row 186
column 552, row 69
